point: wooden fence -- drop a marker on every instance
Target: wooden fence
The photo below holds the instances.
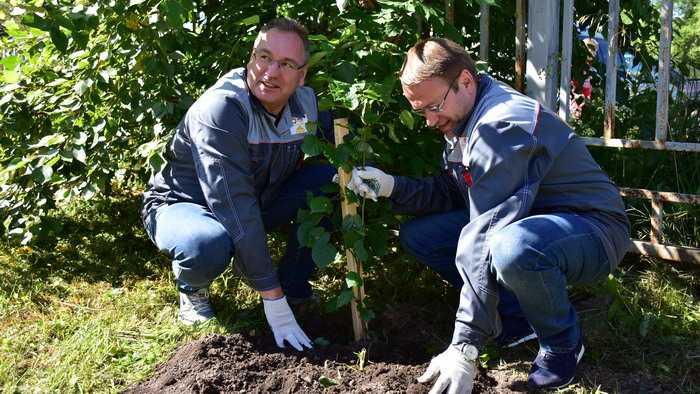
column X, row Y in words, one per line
column 540, row 19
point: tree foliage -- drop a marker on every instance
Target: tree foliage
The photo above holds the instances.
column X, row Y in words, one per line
column 90, row 91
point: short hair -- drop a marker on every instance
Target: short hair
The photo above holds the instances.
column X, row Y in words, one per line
column 435, row 57
column 290, row 26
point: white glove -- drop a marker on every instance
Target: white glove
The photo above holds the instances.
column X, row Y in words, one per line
column 284, row 326
column 370, row 182
column 456, row 370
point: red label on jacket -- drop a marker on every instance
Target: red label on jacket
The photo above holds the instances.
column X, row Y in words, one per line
column 467, row 176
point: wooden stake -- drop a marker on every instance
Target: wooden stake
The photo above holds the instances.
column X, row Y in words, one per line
column 359, row 327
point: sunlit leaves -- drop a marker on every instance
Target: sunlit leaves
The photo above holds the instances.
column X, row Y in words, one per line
column 407, row 119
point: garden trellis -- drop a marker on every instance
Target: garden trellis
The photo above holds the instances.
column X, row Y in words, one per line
column 543, row 78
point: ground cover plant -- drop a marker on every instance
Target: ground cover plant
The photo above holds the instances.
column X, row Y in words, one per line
column 89, row 94
column 92, row 308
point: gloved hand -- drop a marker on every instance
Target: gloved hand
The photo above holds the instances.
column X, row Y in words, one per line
column 370, row 182
column 456, row 370
column 284, row 326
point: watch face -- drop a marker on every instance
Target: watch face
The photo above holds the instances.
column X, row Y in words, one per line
column 470, row 352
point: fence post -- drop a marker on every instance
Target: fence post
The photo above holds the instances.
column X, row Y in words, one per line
column 664, row 71
column 566, row 49
column 484, row 32
column 520, row 44
column 657, row 216
column 611, row 69
column 450, row 11
column 359, row 327
column 543, row 34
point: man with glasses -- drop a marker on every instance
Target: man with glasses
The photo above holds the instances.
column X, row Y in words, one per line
column 519, row 211
column 234, row 171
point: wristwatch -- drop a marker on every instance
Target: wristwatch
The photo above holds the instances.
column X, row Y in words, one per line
column 469, row 352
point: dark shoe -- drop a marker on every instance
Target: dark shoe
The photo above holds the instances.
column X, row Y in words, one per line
column 516, row 331
column 554, row 370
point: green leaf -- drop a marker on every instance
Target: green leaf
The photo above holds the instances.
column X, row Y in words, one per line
column 352, row 223
column 343, row 298
column 323, row 253
column 251, row 20
column 49, row 140
column 366, row 314
column 43, row 174
column 10, row 62
column 17, row 164
column 625, row 18
column 59, row 39
column 327, row 382
column 321, row 341
column 353, row 279
column 174, row 13
column 321, row 204
column 304, row 234
column 378, row 240
column 6, row 99
column 316, row 57
column 312, row 145
column 406, row 118
column 359, row 250
column 82, row 86
column 35, row 21
column 364, row 147
column 79, row 154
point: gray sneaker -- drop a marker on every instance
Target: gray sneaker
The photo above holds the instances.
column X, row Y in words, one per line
column 195, row 307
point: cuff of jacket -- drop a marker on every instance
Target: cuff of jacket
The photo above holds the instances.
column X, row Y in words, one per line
column 464, row 334
column 264, row 283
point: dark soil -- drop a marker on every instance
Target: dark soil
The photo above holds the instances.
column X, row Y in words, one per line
column 398, row 354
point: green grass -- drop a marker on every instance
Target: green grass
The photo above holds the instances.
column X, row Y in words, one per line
column 91, row 307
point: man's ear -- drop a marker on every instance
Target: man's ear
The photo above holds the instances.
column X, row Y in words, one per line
column 303, row 76
column 466, row 78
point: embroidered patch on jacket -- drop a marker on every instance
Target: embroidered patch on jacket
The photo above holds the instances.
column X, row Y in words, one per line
column 299, row 125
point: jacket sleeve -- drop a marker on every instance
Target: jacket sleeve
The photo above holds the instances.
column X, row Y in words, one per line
column 507, row 165
column 218, row 129
column 420, row 196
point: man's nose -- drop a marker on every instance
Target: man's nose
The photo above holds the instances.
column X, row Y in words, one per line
column 273, row 68
column 430, row 119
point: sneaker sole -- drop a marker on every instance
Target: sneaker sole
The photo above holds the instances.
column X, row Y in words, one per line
column 189, row 322
column 522, row 340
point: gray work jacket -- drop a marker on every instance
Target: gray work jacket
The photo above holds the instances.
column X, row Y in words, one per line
column 230, row 155
column 511, row 159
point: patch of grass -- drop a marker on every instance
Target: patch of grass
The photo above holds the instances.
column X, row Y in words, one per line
column 92, row 306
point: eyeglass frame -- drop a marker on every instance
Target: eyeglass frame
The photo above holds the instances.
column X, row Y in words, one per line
column 437, row 108
column 290, row 64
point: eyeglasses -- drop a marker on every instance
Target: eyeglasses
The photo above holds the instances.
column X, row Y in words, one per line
column 264, row 59
column 436, row 108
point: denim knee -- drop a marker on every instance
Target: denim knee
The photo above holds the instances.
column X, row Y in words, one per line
column 412, row 239
column 202, row 257
column 513, row 254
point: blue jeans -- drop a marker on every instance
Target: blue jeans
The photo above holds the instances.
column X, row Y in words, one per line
column 534, row 259
column 202, row 249
column 432, row 240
